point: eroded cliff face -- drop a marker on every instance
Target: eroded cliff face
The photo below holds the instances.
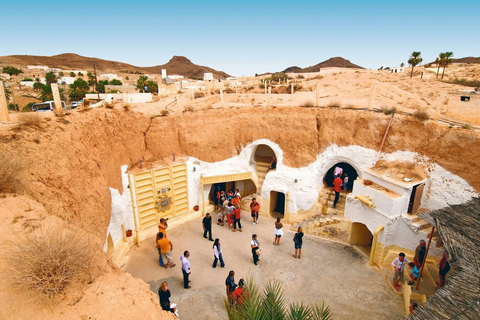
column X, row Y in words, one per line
column 302, row 134
column 71, row 162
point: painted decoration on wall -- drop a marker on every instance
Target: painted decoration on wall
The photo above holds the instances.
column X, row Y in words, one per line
column 164, row 203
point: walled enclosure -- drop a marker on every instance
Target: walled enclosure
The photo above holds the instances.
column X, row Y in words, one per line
column 90, row 148
column 71, row 162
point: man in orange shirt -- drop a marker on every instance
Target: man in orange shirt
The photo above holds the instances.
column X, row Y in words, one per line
column 337, row 187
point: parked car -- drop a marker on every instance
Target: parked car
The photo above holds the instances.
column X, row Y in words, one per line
column 73, row 104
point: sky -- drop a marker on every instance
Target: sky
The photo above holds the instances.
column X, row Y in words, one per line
column 242, row 37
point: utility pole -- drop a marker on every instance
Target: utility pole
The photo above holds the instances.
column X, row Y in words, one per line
column 96, row 82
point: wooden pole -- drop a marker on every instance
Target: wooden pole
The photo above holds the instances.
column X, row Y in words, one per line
column 425, row 258
column 132, row 190
column 96, row 82
column 221, row 98
column 269, row 95
column 56, row 98
column 292, row 88
column 4, row 116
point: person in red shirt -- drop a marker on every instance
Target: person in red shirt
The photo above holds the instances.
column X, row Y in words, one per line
column 240, row 293
column 337, row 187
column 236, row 218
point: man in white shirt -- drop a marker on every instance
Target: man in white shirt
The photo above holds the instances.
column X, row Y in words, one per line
column 399, row 264
column 185, row 269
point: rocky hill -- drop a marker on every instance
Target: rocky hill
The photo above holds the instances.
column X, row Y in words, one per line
column 337, row 62
column 177, row 65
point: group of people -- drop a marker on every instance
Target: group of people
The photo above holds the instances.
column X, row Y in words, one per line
column 229, row 205
column 234, row 291
column 415, row 265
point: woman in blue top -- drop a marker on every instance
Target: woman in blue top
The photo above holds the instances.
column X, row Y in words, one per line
column 298, row 239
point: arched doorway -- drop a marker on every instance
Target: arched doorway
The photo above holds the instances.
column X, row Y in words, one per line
column 277, row 204
column 361, row 237
column 346, row 169
column 263, row 153
column 263, row 157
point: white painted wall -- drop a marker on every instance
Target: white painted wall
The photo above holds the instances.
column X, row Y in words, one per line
column 121, row 211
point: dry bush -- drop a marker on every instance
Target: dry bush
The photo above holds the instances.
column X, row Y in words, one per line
column 466, row 126
column 334, row 104
column 30, row 119
column 126, row 106
column 229, row 90
column 307, row 104
column 197, row 95
column 164, row 113
column 351, row 106
column 11, row 166
column 42, row 264
column 108, row 105
column 421, row 115
column 388, row 111
column 188, row 109
column 281, row 89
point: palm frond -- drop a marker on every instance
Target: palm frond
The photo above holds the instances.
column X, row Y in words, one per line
column 299, row 311
column 273, row 306
column 322, row 311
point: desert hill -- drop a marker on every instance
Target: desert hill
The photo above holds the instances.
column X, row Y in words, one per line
column 183, row 66
column 177, row 65
column 467, row 60
column 337, row 62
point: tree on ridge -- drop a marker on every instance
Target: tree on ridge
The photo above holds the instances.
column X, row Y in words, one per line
column 415, row 59
column 447, row 61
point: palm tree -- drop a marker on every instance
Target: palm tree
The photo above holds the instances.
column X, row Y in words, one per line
column 78, row 89
column 441, row 61
column 47, row 95
column 270, row 304
column 447, row 61
column 142, row 82
column 415, row 59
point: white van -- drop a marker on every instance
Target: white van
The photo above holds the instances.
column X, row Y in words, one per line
column 46, row 106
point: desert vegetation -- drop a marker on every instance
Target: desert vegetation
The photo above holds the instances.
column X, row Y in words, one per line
column 44, row 263
column 270, row 303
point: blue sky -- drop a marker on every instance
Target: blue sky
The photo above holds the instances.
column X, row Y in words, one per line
column 242, row 37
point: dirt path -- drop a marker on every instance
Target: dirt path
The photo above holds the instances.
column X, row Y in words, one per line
column 327, row 271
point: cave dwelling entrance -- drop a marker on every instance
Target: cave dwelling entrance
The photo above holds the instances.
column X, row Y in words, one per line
column 346, row 169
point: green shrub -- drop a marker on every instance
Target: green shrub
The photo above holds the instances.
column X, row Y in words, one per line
column 11, row 70
column 13, row 106
column 27, row 79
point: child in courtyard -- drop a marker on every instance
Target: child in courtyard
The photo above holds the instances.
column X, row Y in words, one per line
column 415, row 273
column 255, row 207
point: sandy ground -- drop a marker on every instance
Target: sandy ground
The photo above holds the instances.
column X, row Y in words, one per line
column 327, row 271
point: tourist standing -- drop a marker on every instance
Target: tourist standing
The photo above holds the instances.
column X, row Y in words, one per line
column 345, row 182
column 160, row 262
column 207, row 226
column 217, row 253
column 239, row 293
column 236, row 215
column 230, row 285
column 255, row 245
column 443, row 268
column 420, row 253
column 237, row 193
column 164, row 295
column 186, row 269
column 337, row 172
column 278, row 232
column 298, row 240
column 337, row 187
column 399, row 264
column 415, row 273
column 166, row 248
column 255, row 208
column 230, row 209
column 162, row 226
